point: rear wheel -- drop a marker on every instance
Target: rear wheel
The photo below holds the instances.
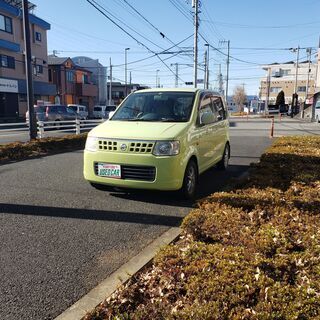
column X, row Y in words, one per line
column 190, row 181
column 224, row 162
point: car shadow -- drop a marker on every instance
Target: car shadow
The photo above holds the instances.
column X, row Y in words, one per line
column 213, row 180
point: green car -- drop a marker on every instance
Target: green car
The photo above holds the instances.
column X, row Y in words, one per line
column 159, row 139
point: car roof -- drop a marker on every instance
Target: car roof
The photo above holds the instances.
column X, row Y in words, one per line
column 194, row 90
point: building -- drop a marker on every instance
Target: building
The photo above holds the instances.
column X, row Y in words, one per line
column 13, row 89
column 283, row 77
column 118, row 90
column 74, row 85
column 98, row 76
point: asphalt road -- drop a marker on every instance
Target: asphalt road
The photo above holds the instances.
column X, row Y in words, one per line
column 60, row 237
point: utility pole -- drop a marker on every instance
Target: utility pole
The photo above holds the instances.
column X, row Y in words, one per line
column 110, row 85
column 295, row 96
column 313, row 113
column 220, row 81
column 205, row 70
column 308, row 79
column 28, row 62
column 177, row 73
column 195, row 5
column 125, row 70
column 157, row 77
column 208, row 65
column 228, row 63
column 268, row 91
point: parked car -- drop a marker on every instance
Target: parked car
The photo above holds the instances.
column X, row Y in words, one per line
column 317, row 111
column 80, row 110
column 102, row 112
column 159, row 139
column 99, row 112
column 53, row 113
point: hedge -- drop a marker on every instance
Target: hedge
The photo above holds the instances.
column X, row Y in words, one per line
column 248, row 253
column 40, row 147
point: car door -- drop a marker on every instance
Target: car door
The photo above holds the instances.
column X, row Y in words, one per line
column 220, row 135
column 207, row 138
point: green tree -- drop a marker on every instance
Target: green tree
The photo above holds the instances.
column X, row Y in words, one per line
column 280, row 99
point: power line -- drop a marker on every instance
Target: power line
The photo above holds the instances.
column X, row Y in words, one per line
column 93, row 3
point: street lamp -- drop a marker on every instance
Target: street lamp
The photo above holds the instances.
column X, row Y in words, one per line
column 207, row 66
column 157, row 85
column 125, row 69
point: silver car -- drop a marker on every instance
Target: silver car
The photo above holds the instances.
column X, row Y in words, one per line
column 53, row 113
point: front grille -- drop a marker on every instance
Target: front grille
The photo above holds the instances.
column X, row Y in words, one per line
column 126, row 146
column 140, row 147
column 109, row 145
column 128, row 172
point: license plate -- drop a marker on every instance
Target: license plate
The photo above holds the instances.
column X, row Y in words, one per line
column 109, row 170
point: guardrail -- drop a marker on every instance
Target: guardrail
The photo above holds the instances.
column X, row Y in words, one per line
column 44, row 127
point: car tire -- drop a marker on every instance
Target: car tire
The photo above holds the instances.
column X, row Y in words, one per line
column 190, row 181
column 224, row 162
column 317, row 119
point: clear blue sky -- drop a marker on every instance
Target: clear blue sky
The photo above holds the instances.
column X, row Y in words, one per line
column 260, row 32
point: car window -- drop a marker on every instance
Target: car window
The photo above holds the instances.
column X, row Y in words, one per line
column 97, row 109
column 70, row 111
column 166, row 106
column 110, row 108
column 207, row 107
column 318, row 105
column 52, row 109
column 40, row 109
column 218, row 107
column 74, row 108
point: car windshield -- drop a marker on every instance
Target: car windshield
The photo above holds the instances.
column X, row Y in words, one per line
column 110, row 108
column 97, row 109
column 156, row 106
column 74, row 108
column 40, row 109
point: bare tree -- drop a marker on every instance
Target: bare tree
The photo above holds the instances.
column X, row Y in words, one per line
column 239, row 97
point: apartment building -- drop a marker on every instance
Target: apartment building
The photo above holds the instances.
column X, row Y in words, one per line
column 74, row 85
column 98, row 76
column 282, row 76
column 13, row 90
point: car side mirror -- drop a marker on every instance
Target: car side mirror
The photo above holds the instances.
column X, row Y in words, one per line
column 206, row 118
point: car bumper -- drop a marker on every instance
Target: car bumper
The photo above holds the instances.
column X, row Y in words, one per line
column 168, row 171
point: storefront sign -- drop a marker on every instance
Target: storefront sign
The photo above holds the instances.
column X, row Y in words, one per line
column 8, row 85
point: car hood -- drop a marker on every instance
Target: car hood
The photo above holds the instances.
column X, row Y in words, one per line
column 138, row 130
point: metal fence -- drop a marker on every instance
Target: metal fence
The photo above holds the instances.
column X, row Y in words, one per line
column 50, row 128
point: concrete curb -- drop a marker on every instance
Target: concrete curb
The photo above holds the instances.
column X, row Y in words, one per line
column 120, row 276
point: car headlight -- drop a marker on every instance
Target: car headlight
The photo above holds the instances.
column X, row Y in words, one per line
column 91, row 144
column 166, row 148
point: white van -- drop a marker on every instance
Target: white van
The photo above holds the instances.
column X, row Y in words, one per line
column 81, row 110
column 102, row 111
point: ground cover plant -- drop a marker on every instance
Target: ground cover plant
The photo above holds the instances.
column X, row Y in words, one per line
column 247, row 253
column 41, row 147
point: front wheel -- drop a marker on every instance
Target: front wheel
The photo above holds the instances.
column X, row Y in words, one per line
column 190, row 181
column 317, row 119
column 224, row 162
